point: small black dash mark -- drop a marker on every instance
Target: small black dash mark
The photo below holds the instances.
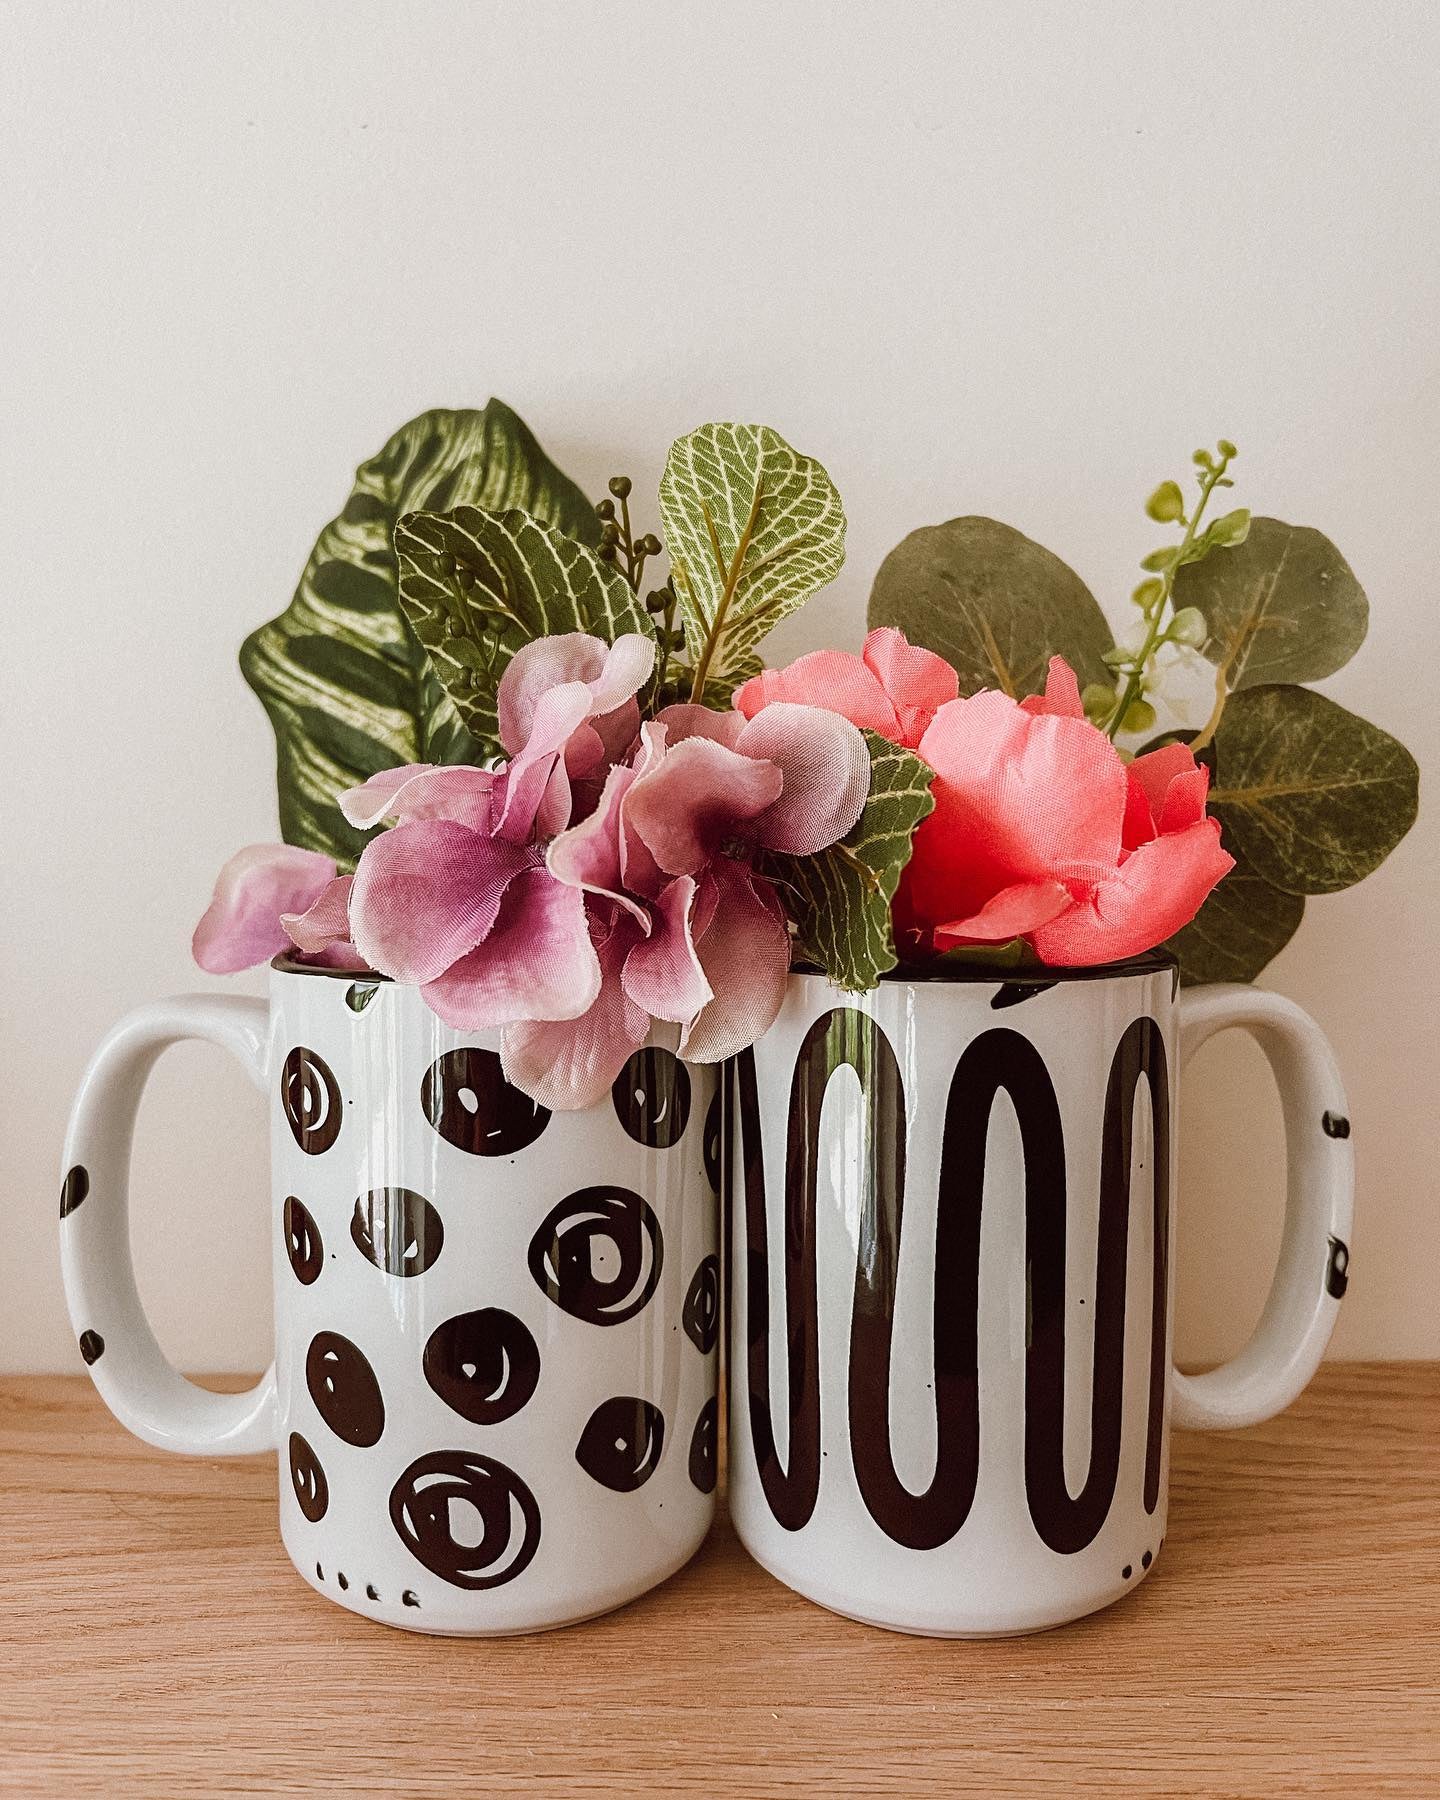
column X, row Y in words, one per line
column 1126, row 1572
column 92, row 1346
column 370, row 1593
column 73, row 1189
column 1146, row 1560
column 1337, row 1275
column 1011, row 993
column 1335, row 1125
column 409, row 1598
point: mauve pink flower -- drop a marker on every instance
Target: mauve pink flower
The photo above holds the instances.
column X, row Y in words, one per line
column 259, row 888
column 893, row 687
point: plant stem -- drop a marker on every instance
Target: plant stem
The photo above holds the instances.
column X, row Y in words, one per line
column 1136, row 673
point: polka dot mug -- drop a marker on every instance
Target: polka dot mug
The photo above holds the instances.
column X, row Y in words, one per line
column 493, row 1394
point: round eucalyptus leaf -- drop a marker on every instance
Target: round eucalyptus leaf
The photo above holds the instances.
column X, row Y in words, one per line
column 1243, row 924
column 993, row 603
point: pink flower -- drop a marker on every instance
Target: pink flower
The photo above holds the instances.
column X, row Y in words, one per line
column 272, row 898
column 1041, row 831
column 892, row 687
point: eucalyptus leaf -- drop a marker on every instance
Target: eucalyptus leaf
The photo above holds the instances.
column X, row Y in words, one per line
column 1314, row 797
column 839, row 900
column 753, row 529
column 1244, row 923
column 1281, row 606
column 993, row 603
column 477, row 586
column 348, row 689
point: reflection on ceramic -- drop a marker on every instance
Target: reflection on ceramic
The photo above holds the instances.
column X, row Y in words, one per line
column 952, row 1220
column 495, row 1326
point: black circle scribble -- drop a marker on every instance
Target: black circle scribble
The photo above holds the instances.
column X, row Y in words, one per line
column 470, row 1103
column 92, row 1347
column 598, row 1254
column 712, row 1141
column 397, row 1230
column 702, row 1447
column 73, row 1189
column 312, row 1491
column 621, row 1443
column 701, row 1316
column 484, row 1365
column 343, row 1386
column 466, row 1517
column 311, row 1098
column 303, row 1244
column 651, row 1096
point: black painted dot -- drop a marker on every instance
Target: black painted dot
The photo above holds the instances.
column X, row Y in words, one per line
column 370, row 1593
column 701, row 1315
column 307, row 1477
column 466, row 1517
column 470, row 1103
column 714, row 1126
column 343, row 1386
column 651, row 1096
column 1015, row 993
column 92, row 1346
column 484, row 1365
column 310, row 1096
column 1146, row 1560
column 1126, row 1572
column 409, row 1598
column 303, row 1244
column 598, row 1254
column 1335, row 1125
column 621, row 1443
column 1337, row 1270
column 397, row 1230
column 319, row 1573
column 73, row 1189
column 343, row 1582
column 703, row 1447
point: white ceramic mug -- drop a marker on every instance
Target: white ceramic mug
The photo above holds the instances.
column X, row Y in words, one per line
column 493, row 1393
column 951, row 1285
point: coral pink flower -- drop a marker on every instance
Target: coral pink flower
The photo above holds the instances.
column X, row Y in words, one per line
column 1041, row 831
column 272, row 898
column 892, row 687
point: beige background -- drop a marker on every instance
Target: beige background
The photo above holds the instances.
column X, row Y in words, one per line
column 1016, row 261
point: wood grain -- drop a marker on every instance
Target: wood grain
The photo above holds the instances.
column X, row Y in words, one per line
column 154, row 1641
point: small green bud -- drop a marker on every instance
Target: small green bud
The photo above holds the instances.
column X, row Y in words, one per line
column 1166, row 504
column 1098, row 701
column 1139, row 716
column 1203, row 459
column 1188, row 627
column 1234, row 528
column 1118, row 658
column 655, row 600
column 1159, row 560
column 605, row 508
column 1148, row 594
column 650, row 544
column 619, row 486
column 1227, row 449
column 606, row 552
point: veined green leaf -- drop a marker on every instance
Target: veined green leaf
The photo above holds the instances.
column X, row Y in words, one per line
column 1314, row 797
column 348, row 689
column 1243, row 924
column 1281, row 606
column 478, row 585
column 753, row 529
column 993, row 603
column 840, row 899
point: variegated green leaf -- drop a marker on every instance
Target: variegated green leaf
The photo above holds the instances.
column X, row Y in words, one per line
column 348, row 689
column 840, row 899
column 477, row 585
column 753, row 529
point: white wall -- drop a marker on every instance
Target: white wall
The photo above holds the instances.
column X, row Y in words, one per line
column 976, row 258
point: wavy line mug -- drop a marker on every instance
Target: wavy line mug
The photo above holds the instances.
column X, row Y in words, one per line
column 493, row 1393
column 951, row 1288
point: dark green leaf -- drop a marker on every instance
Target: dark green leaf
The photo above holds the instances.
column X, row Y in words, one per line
column 478, row 585
column 1282, row 606
column 993, row 603
column 840, row 899
column 1314, row 797
column 1242, row 925
column 348, row 689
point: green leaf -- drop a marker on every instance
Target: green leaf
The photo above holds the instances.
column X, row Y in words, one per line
column 1282, row 606
column 1314, row 797
column 993, row 603
column 1166, row 504
column 348, row 689
column 477, row 586
column 840, row 899
column 753, row 529
column 1243, row 924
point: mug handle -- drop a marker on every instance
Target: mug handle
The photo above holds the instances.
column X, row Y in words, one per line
column 1304, row 1298
column 136, row 1381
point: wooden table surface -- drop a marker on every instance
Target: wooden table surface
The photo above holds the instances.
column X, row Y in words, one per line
column 154, row 1641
